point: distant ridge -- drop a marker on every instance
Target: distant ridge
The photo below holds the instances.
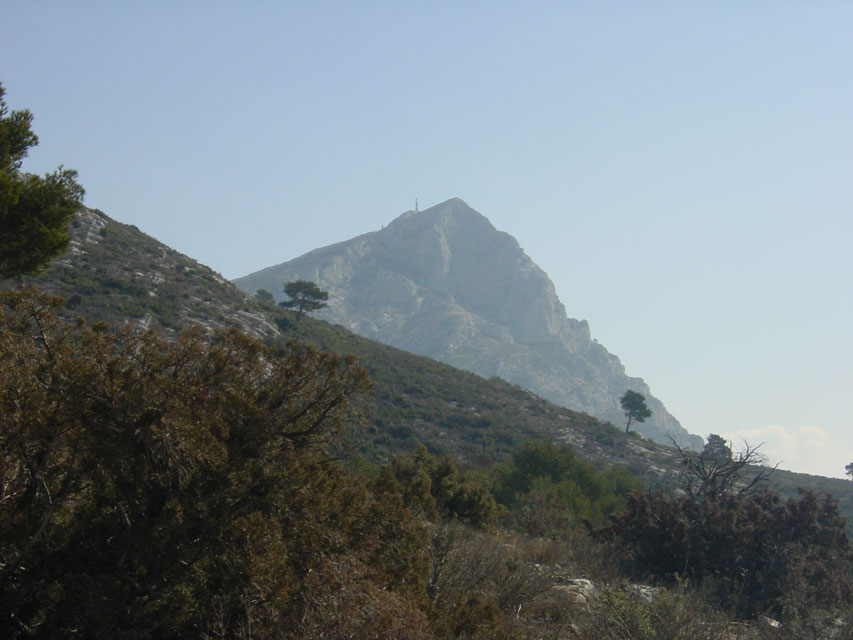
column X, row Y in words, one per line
column 444, row 283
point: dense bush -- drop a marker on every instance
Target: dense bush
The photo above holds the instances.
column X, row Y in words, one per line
column 547, row 487
column 183, row 490
column 433, row 487
column 755, row 554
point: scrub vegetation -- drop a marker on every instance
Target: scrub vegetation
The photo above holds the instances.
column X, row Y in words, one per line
column 201, row 487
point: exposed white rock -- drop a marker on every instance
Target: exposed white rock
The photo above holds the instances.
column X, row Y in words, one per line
column 644, row 593
column 769, row 623
column 445, row 283
column 578, row 590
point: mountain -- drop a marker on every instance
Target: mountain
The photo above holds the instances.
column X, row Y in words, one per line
column 445, row 283
column 113, row 272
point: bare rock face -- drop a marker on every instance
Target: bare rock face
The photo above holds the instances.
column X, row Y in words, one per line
column 446, row 284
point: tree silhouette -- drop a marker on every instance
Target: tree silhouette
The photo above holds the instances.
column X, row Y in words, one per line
column 305, row 297
column 634, row 407
column 264, row 296
column 717, row 471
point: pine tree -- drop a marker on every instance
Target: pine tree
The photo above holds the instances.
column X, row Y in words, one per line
column 634, row 407
column 34, row 210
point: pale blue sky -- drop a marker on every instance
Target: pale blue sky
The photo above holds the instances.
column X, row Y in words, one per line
column 682, row 172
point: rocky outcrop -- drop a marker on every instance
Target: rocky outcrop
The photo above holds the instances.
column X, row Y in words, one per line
column 445, row 283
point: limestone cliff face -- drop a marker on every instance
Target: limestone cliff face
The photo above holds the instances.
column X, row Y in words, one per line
column 445, row 283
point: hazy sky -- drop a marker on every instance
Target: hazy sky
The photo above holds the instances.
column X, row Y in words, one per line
column 684, row 173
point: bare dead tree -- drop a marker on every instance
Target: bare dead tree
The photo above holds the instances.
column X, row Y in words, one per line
column 718, row 471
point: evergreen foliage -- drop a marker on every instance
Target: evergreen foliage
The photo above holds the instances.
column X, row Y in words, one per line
column 433, row 487
column 548, row 488
column 634, row 407
column 305, row 297
column 34, row 210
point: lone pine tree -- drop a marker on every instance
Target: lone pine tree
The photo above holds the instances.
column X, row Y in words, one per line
column 305, row 297
column 634, row 407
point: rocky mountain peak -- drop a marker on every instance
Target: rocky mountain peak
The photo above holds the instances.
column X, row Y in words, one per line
column 443, row 282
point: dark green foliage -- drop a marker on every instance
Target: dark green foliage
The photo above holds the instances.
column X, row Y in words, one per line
column 474, row 616
column 34, row 211
column 185, row 489
column 607, row 435
column 432, row 486
column 756, row 555
column 305, row 297
column 634, row 407
column 264, row 296
column 547, row 487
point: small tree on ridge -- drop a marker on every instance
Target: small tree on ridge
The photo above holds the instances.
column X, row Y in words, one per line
column 634, row 407
column 305, row 297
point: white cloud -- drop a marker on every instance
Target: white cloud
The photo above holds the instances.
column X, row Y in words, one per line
column 807, row 449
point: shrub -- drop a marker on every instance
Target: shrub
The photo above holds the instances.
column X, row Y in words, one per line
column 756, row 554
